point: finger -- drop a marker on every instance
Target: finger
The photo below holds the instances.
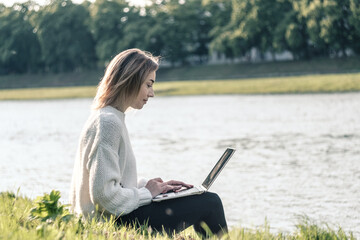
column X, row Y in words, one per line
column 180, row 189
column 168, row 188
column 188, row 185
column 175, row 188
column 158, row 180
column 174, row 182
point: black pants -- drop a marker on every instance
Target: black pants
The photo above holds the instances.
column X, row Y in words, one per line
column 180, row 213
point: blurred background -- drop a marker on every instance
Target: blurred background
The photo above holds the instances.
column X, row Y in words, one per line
column 62, row 35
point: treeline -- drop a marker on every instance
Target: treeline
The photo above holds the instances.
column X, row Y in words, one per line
column 63, row 36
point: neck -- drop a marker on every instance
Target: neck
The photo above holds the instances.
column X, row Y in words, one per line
column 120, row 107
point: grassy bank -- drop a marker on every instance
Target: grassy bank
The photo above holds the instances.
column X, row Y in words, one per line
column 199, row 72
column 46, row 218
column 325, row 83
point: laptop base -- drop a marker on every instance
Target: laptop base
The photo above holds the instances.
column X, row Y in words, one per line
column 184, row 193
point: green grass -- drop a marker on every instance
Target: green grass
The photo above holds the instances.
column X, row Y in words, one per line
column 261, row 69
column 327, row 83
column 48, row 93
column 243, row 70
column 298, row 84
column 46, row 218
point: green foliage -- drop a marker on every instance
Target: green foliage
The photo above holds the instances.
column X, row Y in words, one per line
column 354, row 20
column 306, row 229
column 137, row 26
column 328, row 25
column 63, row 36
column 220, row 12
column 19, row 45
column 66, row 41
column 291, row 33
column 260, row 24
column 108, row 19
column 307, row 28
column 48, row 208
column 179, row 30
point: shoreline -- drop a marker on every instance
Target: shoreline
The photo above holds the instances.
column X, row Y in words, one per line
column 309, row 84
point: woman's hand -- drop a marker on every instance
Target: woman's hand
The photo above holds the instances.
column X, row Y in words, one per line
column 157, row 186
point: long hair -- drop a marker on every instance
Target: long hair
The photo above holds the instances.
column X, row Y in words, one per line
column 124, row 76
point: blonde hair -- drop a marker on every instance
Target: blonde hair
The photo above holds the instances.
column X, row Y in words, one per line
column 124, row 76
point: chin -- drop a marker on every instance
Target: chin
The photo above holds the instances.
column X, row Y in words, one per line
column 138, row 107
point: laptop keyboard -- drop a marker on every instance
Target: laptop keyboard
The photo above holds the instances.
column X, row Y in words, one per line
column 189, row 190
column 183, row 192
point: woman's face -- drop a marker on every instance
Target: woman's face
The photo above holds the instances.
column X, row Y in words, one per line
column 146, row 91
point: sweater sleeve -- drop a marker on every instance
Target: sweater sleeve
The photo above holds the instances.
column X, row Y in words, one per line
column 142, row 182
column 105, row 174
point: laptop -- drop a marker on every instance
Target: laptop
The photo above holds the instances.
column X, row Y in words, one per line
column 205, row 185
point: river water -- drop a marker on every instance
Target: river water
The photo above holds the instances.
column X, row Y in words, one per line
column 297, row 155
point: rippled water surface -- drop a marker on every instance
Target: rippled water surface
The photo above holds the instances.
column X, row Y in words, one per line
column 296, row 154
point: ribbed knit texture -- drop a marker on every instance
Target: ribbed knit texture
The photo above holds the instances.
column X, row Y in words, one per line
column 105, row 168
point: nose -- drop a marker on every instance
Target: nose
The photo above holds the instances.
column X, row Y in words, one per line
column 151, row 93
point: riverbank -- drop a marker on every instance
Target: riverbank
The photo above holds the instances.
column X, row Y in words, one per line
column 46, row 218
column 323, row 83
column 242, row 70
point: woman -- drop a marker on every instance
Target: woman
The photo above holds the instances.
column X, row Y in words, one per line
column 105, row 178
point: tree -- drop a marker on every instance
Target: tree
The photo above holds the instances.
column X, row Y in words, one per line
column 138, row 24
column 252, row 25
column 335, row 27
column 220, row 34
column 227, row 35
column 170, row 34
column 19, row 48
column 354, row 21
column 291, row 33
column 66, row 41
column 180, row 31
column 108, row 22
column 314, row 13
column 259, row 24
column 203, row 24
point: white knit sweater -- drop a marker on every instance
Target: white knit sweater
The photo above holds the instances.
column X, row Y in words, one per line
column 105, row 168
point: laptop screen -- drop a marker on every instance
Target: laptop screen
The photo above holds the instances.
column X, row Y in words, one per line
column 218, row 167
